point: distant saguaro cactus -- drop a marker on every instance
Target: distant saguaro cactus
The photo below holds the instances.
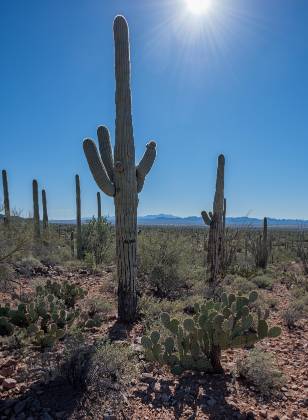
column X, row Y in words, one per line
column 118, row 176
column 225, row 212
column 6, row 198
column 78, row 219
column 99, row 207
column 72, row 244
column 45, row 213
column 263, row 247
column 36, row 210
column 215, row 220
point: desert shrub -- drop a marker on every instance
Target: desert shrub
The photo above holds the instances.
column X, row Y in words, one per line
column 99, row 306
column 272, row 302
column 96, row 311
column 263, row 281
column 296, row 310
column 104, row 370
column 28, row 266
column 97, row 241
column 242, row 285
column 162, row 266
column 259, row 370
column 7, row 274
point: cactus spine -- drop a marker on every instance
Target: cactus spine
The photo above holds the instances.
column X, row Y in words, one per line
column 45, row 213
column 36, row 210
column 78, row 219
column 216, row 221
column 99, row 207
column 118, row 176
column 6, row 198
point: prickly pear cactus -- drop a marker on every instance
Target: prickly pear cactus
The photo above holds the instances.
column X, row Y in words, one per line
column 118, row 176
column 196, row 344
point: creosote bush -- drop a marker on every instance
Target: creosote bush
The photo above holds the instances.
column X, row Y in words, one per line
column 162, row 263
column 97, row 241
column 259, row 369
column 296, row 310
column 196, row 343
column 263, row 281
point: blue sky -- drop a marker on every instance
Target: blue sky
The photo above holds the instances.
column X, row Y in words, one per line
column 233, row 81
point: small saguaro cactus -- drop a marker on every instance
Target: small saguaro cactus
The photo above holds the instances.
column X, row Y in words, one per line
column 45, row 213
column 36, row 210
column 78, row 219
column 216, row 220
column 117, row 175
column 263, row 247
column 99, row 207
column 6, row 198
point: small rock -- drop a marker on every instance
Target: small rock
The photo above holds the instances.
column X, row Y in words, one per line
column 263, row 413
column 9, row 383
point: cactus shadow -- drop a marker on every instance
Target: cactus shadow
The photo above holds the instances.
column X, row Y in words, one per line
column 57, row 396
column 193, row 394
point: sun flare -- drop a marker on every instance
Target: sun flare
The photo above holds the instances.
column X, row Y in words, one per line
column 199, row 7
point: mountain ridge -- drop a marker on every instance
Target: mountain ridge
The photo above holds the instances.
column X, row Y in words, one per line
column 171, row 220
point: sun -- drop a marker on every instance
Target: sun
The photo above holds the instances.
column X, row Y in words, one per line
column 199, row 7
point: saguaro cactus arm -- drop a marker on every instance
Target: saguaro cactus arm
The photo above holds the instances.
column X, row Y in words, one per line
column 206, row 218
column 97, row 168
column 145, row 164
column 105, row 150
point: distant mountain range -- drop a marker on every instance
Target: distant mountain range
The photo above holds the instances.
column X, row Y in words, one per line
column 171, row 220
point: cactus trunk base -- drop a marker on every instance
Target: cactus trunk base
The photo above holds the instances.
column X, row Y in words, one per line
column 215, row 356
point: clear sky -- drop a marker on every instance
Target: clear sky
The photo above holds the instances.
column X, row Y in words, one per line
column 232, row 81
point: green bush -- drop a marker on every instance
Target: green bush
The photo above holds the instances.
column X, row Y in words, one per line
column 162, row 264
column 259, row 370
column 263, row 281
column 97, row 241
column 296, row 310
column 104, row 370
column 242, row 285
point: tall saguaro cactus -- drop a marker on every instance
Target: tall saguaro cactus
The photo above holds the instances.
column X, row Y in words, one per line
column 45, row 213
column 215, row 220
column 36, row 210
column 78, row 219
column 118, row 176
column 99, row 207
column 6, row 198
